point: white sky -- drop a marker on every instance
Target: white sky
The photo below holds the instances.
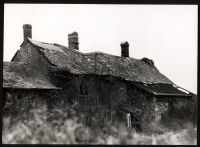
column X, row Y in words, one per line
column 165, row 33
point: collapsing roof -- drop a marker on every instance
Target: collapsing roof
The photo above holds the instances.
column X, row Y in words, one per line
column 162, row 89
column 99, row 63
column 22, row 76
column 141, row 72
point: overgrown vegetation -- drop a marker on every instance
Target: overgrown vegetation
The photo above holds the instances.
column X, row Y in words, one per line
column 62, row 125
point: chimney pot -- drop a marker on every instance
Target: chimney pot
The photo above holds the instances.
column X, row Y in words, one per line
column 27, row 31
column 73, row 41
column 125, row 49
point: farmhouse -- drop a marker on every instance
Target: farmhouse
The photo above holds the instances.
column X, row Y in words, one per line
column 107, row 87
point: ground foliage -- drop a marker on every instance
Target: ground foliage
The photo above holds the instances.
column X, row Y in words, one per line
column 61, row 124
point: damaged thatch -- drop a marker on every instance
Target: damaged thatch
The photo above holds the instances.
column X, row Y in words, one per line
column 24, row 76
column 100, row 63
column 141, row 72
column 161, row 89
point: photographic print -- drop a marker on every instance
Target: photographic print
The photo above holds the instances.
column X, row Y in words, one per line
column 100, row 74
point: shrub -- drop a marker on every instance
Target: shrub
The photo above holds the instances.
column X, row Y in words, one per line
column 62, row 125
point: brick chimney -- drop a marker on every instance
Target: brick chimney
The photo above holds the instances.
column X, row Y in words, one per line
column 73, row 41
column 124, row 49
column 27, row 31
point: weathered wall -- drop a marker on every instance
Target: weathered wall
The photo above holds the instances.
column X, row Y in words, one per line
column 181, row 108
column 16, row 101
column 30, row 54
column 100, row 98
column 147, row 104
column 96, row 96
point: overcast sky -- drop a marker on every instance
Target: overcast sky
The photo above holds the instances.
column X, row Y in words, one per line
column 165, row 33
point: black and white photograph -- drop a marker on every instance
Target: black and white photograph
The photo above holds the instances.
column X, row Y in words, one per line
column 92, row 74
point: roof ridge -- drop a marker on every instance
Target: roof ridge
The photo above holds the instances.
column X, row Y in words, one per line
column 77, row 51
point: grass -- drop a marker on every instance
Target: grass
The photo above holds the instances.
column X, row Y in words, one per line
column 62, row 125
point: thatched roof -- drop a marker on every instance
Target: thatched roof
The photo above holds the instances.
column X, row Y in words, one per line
column 141, row 72
column 163, row 89
column 23, row 76
column 100, row 63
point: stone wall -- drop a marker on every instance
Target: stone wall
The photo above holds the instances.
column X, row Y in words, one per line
column 101, row 98
column 30, row 55
column 17, row 101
